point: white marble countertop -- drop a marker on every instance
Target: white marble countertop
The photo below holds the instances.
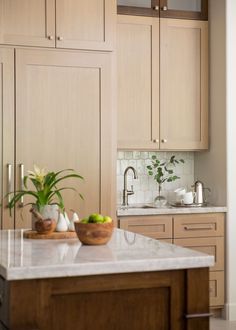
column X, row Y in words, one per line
column 138, row 209
column 126, row 252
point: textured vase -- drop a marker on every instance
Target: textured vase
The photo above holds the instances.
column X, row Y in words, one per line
column 47, row 212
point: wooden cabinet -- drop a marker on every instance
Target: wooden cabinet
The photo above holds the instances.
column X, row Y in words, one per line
column 201, row 232
column 159, row 227
column 138, row 82
column 27, row 22
column 63, row 119
column 64, row 24
column 177, row 118
column 205, row 233
column 188, row 9
column 6, row 133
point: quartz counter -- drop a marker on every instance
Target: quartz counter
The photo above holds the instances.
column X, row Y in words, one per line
column 127, row 252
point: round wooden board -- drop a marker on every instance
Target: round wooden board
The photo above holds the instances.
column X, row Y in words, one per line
column 55, row 235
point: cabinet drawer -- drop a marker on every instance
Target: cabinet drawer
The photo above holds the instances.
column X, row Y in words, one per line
column 209, row 245
column 199, row 225
column 216, row 288
column 155, row 227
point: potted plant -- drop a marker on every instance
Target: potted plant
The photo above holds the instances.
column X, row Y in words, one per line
column 163, row 171
column 44, row 190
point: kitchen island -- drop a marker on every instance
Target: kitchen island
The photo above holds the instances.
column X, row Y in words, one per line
column 133, row 282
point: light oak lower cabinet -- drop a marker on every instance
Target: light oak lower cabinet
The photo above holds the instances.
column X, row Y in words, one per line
column 201, row 232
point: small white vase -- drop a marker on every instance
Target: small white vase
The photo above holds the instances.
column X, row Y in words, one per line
column 67, row 219
column 47, row 212
column 74, row 218
column 61, row 224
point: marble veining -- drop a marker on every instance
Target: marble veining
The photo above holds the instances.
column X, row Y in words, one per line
column 126, row 252
column 136, row 210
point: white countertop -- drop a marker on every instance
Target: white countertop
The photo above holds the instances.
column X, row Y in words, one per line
column 126, row 252
column 138, row 210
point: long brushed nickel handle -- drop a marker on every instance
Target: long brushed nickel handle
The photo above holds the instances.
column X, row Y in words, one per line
column 198, row 228
column 22, row 183
column 9, row 182
column 196, row 316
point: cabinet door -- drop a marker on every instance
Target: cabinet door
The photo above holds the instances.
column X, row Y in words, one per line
column 184, row 84
column 192, row 9
column 6, row 133
column 138, row 82
column 86, row 24
column 63, row 120
column 27, row 22
column 138, row 7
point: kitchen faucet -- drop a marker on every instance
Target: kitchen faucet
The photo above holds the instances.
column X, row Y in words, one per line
column 127, row 192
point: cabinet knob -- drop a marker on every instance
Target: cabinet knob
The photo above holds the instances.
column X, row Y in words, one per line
column 165, row 8
column 155, row 140
column 50, row 37
column 163, row 140
column 156, row 8
column 60, row 38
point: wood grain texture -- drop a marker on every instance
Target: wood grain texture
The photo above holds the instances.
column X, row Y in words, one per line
column 217, row 289
column 6, row 131
column 158, row 227
column 184, row 84
column 86, row 24
column 138, row 82
column 63, row 102
column 55, row 235
column 27, row 22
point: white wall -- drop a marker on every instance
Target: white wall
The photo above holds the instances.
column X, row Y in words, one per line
column 231, row 158
column 210, row 166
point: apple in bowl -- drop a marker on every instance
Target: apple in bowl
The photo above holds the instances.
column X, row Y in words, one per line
column 95, row 229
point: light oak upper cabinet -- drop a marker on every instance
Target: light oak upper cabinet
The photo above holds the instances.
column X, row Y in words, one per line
column 138, row 82
column 63, row 120
column 58, row 23
column 183, row 84
column 85, row 24
column 27, row 22
column 177, row 118
column 6, row 133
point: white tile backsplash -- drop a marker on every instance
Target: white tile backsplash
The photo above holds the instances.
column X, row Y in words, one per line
column 145, row 188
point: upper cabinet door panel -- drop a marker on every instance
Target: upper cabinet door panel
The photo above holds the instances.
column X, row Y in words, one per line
column 138, row 7
column 138, row 82
column 190, row 9
column 27, row 22
column 86, row 24
column 184, row 87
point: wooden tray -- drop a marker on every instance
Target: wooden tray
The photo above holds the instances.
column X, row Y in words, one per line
column 55, row 235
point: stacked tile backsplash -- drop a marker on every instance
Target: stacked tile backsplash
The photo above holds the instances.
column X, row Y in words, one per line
column 145, row 188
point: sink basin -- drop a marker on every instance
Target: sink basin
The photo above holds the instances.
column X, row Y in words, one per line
column 137, row 206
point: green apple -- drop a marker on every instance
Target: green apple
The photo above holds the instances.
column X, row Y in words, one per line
column 107, row 219
column 85, row 220
column 96, row 218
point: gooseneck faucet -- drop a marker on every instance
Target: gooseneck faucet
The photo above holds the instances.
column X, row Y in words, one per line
column 126, row 192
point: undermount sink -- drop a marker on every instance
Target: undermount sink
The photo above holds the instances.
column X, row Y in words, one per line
column 137, row 206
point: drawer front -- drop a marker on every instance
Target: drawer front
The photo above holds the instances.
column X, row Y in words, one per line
column 216, row 287
column 199, row 225
column 209, row 245
column 155, row 227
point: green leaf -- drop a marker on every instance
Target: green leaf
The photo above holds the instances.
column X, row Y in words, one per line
column 150, row 173
column 149, row 167
column 154, row 157
column 182, row 161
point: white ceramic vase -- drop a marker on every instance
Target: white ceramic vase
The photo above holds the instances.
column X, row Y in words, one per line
column 61, row 224
column 74, row 218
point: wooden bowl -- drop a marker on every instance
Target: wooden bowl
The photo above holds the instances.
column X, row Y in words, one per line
column 94, row 233
column 46, row 226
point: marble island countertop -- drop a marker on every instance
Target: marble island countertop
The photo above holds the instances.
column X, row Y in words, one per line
column 127, row 252
column 148, row 209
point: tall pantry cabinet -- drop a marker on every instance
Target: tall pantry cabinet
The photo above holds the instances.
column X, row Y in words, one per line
column 57, row 112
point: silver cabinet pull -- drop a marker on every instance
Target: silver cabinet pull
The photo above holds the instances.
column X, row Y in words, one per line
column 50, row 37
column 22, row 183
column 163, row 140
column 196, row 316
column 164, row 8
column 156, row 8
column 9, row 182
column 59, row 38
column 155, row 140
column 198, row 228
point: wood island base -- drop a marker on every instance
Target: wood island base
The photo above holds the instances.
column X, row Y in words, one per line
column 163, row 300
